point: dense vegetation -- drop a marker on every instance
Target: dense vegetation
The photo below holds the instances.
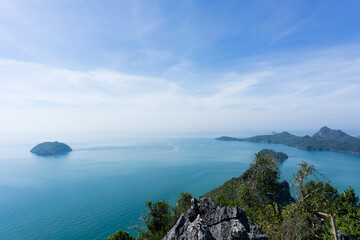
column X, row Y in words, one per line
column 121, row 235
column 269, row 204
column 325, row 139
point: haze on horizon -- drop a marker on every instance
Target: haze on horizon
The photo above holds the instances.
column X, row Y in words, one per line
column 179, row 65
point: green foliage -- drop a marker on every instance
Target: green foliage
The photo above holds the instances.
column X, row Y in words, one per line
column 258, row 194
column 228, row 190
column 306, row 170
column 305, row 220
column 224, row 201
column 261, row 187
column 161, row 217
column 183, row 204
column 121, row 235
column 317, row 197
column 347, row 213
column 158, row 220
column 264, row 175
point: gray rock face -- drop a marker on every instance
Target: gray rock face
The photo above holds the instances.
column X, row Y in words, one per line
column 342, row 236
column 207, row 220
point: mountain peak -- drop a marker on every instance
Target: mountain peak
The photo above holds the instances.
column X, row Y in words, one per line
column 325, row 128
column 330, row 134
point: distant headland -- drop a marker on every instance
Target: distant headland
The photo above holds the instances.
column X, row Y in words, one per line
column 50, row 148
column 325, row 139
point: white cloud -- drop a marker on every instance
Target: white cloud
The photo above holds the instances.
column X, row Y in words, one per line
column 31, row 82
column 306, row 91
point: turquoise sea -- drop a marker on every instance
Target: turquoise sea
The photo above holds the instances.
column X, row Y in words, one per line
column 103, row 185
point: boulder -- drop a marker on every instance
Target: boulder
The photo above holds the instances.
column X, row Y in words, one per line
column 207, row 220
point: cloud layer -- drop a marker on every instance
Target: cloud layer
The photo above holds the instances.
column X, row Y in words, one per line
column 308, row 89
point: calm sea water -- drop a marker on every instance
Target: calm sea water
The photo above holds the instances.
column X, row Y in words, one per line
column 103, row 186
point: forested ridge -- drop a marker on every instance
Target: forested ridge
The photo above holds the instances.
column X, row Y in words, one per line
column 325, row 139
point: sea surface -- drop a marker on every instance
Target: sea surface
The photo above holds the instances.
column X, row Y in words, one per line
column 104, row 184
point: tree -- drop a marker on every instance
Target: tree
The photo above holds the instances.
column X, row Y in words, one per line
column 224, row 201
column 183, row 204
column 258, row 193
column 347, row 213
column 158, row 220
column 306, row 170
column 121, row 235
column 313, row 215
column 262, row 184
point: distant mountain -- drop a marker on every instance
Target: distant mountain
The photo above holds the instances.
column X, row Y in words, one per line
column 325, row 139
column 50, row 148
column 330, row 134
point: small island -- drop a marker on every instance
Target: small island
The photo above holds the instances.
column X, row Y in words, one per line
column 277, row 156
column 325, row 139
column 50, row 148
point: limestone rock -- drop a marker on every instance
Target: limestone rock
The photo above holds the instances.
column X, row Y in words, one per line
column 207, row 220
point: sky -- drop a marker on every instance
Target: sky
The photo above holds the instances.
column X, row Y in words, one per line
column 179, row 65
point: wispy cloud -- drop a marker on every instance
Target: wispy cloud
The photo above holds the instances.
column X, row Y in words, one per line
column 308, row 89
column 35, row 82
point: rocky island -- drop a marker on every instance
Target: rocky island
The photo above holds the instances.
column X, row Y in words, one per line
column 50, row 148
column 325, row 139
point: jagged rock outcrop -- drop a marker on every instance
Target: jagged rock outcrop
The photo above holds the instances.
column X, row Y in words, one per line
column 207, row 220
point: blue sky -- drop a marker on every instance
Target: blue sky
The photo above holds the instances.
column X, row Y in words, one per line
column 179, row 65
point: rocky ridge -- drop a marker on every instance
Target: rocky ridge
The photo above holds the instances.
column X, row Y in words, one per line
column 207, row 220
